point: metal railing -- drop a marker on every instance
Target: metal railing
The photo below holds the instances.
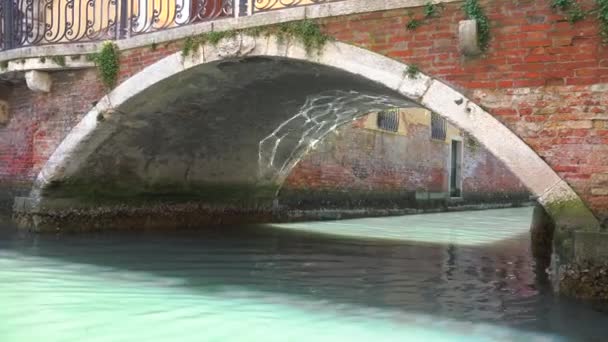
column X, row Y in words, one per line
column 39, row 22
column 270, row 5
column 388, row 120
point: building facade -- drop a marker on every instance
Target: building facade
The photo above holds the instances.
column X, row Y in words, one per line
column 403, row 159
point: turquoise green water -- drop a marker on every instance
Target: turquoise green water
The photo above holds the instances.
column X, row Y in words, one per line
column 437, row 277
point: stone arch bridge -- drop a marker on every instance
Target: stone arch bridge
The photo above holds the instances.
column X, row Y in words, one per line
column 229, row 120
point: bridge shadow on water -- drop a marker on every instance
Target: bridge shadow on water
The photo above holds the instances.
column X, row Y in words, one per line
column 494, row 283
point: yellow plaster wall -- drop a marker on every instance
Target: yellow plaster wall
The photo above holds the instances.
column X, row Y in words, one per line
column 412, row 116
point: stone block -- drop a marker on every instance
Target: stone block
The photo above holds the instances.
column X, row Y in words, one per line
column 599, row 191
column 467, row 38
column 38, row 81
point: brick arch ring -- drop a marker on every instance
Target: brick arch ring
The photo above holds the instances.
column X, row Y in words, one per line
column 553, row 193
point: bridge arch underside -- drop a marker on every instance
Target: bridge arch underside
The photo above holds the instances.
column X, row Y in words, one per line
column 219, row 130
column 220, row 137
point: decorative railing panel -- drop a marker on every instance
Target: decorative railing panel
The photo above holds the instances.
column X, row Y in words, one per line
column 270, row 5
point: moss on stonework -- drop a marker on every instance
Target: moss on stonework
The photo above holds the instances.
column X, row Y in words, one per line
column 87, row 193
column 572, row 214
column 59, row 60
column 569, row 215
column 308, row 32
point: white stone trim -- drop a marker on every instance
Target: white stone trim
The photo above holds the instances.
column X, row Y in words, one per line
column 46, row 64
column 468, row 41
column 432, row 94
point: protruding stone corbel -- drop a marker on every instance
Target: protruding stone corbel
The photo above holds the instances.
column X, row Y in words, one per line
column 38, row 81
column 468, row 38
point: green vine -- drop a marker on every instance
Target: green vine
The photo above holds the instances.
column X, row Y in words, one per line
column 4, row 65
column 42, row 59
column 431, row 10
column 412, row 71
column 474, row 11
column 189, row 46
column 413, row 24
column 108, row 65
column 306, row 31
column 59, row 60
column 575, row 13
column 572, row 8
column 602, row 15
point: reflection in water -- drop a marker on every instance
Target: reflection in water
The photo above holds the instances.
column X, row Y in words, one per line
column 284, row 284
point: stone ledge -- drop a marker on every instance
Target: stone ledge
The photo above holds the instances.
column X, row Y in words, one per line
column 157, row 216
column 46, row 64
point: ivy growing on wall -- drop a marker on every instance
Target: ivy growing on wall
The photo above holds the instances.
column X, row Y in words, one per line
column 108, row 64
column 571, row 8
column 431, row 10
column 413, row 23
column 574, row 13
column 602, row 15
column 307, row 31
column 474, row 11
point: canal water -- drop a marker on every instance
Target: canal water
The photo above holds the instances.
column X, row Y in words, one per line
column 465, row 276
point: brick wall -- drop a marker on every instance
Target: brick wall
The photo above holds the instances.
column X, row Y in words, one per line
column 358, row 167
column 38, row 123
column 485, row 179
column 542, row 77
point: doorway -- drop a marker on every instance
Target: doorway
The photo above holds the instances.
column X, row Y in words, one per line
column 455, row 188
